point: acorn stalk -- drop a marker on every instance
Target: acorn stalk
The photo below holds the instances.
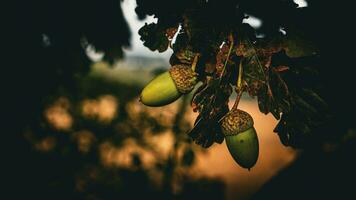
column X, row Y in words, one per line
column 240, row 134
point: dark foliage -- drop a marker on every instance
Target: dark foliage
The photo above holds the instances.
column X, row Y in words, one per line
column 286, row 72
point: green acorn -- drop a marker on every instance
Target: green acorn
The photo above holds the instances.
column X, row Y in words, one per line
column 169, row 86
column 241, row 137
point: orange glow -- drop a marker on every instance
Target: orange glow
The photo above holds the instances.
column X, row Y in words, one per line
column 104, row 109
column 164, row 115
column 84, row 140
column 46, row 144
column 215, row 162
column 112, row 156
column 57, row 114
column 241, row 183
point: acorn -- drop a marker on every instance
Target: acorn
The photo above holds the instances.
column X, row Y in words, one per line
column 169, row 86
column 241, row 138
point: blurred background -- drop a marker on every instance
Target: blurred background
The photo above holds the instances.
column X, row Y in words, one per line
column 75, row 129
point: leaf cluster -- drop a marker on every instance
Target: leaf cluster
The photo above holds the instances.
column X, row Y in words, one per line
column 280, row 69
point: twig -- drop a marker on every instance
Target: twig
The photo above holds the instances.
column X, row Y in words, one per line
column 239, row 86
column 195, row 61
column 227, row 58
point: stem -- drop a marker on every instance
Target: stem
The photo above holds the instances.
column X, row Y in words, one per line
column 239, row 86
column 195, row 61
column 239, row 94
column 227, row 57
column 239, row 79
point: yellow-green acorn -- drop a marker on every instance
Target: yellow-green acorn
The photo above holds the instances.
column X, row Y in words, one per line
column 169, row 86
column 241, row 138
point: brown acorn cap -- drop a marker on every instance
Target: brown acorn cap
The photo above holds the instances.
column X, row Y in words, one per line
column 184, row 77
column 236, row 121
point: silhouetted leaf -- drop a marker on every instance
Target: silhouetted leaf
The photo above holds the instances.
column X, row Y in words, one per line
column 154, row 37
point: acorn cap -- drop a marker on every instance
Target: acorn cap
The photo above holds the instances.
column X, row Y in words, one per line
column 183, row 77
column 235, row 122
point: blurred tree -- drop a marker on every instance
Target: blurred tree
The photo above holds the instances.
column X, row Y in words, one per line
column 60, row 126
